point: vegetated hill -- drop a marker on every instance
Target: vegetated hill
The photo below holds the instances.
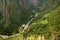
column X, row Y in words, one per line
column 51, row 17
column 20, row 15
column 46, row 26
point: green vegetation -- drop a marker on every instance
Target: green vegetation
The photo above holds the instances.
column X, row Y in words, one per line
column 44, row 26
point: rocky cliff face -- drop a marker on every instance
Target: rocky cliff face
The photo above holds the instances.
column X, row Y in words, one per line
column 42, row 5
column 34, row 2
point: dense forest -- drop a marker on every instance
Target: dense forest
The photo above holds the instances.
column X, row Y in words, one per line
column 29, row 19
